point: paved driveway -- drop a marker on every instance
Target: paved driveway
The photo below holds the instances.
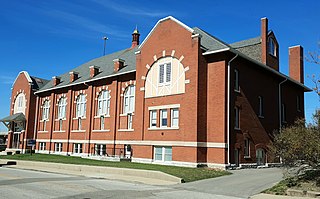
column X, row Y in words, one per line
column 15, row 183
column 243, row 183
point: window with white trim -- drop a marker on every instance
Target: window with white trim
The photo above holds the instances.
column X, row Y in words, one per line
column 45, row 110
column 153, row 118
column 272, row 49
column 81, row 106
column 45, row 113
column 236, row 117
column 165, row 73
column 58, row 146
column 162, row 154
column 101, row 122
column 175, row 117
column 246, row 147
column 104, row 103
column 100, row 149
column 62, row 108
column 261, row 106
column 130, row 120
column 163, row 118
column 236, row 80
column 77, row 148
column 129, row 97
column 42, row 146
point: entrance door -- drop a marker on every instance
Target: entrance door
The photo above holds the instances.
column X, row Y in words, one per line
column 16, row 140
column 236, row 157
column 260, row 155
column 127, row 151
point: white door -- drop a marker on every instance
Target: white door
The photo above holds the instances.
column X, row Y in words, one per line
column 127, row 151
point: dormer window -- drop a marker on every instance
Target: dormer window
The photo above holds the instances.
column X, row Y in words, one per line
column 272, row 49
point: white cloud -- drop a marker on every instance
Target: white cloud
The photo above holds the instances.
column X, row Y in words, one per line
column 125, row 9
column 6, row 79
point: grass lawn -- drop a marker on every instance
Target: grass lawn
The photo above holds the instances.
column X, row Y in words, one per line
column 187, row 174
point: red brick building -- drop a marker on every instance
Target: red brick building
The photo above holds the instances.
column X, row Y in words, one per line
column 181, row 97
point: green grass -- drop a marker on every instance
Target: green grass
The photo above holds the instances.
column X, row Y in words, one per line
column 278, row 189
column 187, row 174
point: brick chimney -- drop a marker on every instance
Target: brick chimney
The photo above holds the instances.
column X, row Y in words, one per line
column 94, row 70
column 118, row 64
column 56, row 80
column 73, row 76
column 296, row 70
column 264, row 39
column 135, row 38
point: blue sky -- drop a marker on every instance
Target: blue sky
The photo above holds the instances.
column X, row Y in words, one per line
column 48, row 38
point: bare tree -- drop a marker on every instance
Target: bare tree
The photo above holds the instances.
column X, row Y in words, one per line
column 314, row 57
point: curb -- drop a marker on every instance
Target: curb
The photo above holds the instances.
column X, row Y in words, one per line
column 136, row 175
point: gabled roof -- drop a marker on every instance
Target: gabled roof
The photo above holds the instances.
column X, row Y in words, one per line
column 209, row 44
column 162, row 20
column 38, row 83
column 106, row 65
column 26, row 74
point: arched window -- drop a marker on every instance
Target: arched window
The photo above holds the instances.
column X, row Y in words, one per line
column 62, row 108
column 129, row 96
column 104, row 103
column 272, row 49
column 45, row 110
column 81, row 106
column 20, row 103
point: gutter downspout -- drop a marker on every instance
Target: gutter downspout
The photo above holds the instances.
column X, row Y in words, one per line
column 280, row 109
column 228, row 108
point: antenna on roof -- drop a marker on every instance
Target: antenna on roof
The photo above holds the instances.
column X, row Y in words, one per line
column 104, row 45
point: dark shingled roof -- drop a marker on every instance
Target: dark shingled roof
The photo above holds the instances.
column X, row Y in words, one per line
column 106, row 65
column 249, row 49
column 209, row 42
column 247, row 42
column 38, row 83
column 14, row 117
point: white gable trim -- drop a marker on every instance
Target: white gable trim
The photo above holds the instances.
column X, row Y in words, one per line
column 162, row 20
column 26, row 74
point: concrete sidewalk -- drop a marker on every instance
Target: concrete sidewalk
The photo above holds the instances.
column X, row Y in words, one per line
column 131, row 175
column 269, row 196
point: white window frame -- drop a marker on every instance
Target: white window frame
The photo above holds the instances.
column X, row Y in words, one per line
column 129, row 99
column 165, row 156
column 62, row 106
column 103, row 103
column 261, row 106
column 58, row 147
column 272, row 48
column 100, row 149
column 174, row 118
column 153, row 118
column 102, row 122
column 236, row 80
column 162, row 111
column 246, row 148
column 45, row 110
column 236, row 117
column 77, row 148
column 130, row 118
column 81, row 106
column 166, row 76
column 42, row 146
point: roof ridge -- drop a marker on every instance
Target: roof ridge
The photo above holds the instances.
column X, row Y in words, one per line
column 219, row 40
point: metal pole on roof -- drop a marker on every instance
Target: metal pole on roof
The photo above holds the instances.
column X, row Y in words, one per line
column 104, row 45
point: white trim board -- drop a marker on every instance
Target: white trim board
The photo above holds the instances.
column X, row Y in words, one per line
column 144, row 142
